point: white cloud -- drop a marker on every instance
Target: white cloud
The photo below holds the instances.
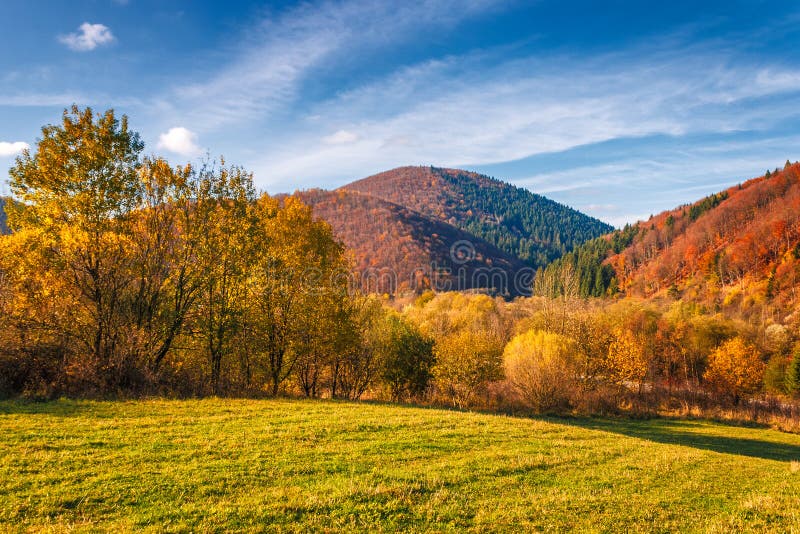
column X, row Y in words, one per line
column 180, row 141
column 342, row 137
column 12, row 149
column 89, row 37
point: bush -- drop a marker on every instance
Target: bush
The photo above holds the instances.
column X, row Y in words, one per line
column 775, row 376
column 627, row 360
column 540, row 366
column 408, row 360
column 735, row 369
column 466, row 362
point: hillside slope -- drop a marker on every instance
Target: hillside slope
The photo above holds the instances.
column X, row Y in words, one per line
column 747, row 236
column 739, row 246
column 397, row 249
column 523, row 224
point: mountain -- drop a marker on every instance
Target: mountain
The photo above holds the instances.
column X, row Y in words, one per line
column 738, row 247
column 417, row 227
column 396, row 249
column 523, row 224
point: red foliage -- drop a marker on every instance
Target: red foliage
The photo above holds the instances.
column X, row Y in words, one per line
column 396, row 249
column 750, row 235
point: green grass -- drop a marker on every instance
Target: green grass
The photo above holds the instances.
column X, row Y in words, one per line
column 213, row 465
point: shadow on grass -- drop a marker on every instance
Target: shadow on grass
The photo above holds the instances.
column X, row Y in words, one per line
column 680, row 432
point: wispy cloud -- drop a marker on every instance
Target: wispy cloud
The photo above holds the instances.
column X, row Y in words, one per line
column 639, row 186
column 481, row 108
column 88, row 37
column 326, row 91
column 265, row 73
column 342, row 137
column 41, row 99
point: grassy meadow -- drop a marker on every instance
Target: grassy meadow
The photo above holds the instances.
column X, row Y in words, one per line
column 289, row 465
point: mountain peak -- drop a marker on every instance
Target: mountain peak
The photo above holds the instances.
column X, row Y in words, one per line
column 418, row 223
column 519, row 222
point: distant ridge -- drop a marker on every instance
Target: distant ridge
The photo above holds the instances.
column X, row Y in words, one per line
column 397, row 249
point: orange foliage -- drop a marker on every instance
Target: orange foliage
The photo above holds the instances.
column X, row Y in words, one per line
column 749, row 236
column 396, row 249
column 735, row 368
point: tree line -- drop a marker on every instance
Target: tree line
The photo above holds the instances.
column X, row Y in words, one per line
column 125, row 275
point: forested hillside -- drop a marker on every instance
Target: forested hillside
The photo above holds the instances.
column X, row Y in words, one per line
column 739, row 247
column 396, row 249
column 521, row 223
column 414, row 228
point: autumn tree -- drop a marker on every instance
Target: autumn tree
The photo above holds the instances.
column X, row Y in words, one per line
column 793, row 374
column 627, row 359
column 541, row 367
column 328, row 331
column 223, row 195
column 735, row 369
column 358, row 366
column 76, row 191
column 166, row 278
column 409, row 360
column 466, row 362
column 295, row 287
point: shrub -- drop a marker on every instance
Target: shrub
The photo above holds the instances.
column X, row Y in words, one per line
column 466, row 362
column 408, row 360
column 775, row 375
column 541, row 368
column 627, row 359
column 735, row 369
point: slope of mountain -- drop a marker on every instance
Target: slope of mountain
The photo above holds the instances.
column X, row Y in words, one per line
column 737, row 247
column 397, row 249
column 523, row 224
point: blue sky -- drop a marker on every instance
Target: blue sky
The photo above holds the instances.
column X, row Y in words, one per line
column 620, row 109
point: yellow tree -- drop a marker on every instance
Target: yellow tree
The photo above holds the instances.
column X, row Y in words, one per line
column 355, row 369
column 166, row 276
column 77, row 189
column 326, row 334
column 735, row 368
column 223, row 200
column 627, row 359
column 35, row 305
column 466, row 362
column 541, row 367
column 294, row 287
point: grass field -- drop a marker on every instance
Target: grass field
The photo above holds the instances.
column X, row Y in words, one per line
column 213, row 465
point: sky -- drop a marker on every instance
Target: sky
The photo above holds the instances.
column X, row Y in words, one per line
column 618, row 109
